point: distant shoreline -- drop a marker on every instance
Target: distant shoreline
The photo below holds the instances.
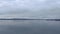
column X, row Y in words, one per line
column 32, row 19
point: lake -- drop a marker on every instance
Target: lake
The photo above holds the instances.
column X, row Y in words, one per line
column 29, row 27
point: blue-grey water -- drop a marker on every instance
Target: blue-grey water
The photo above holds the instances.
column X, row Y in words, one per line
column 29, row 27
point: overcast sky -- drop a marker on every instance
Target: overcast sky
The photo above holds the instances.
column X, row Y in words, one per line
column 30, row 8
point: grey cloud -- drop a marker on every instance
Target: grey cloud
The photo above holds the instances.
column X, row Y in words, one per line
column 34, row 8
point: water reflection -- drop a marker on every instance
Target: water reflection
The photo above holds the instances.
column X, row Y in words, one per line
column 29, row 27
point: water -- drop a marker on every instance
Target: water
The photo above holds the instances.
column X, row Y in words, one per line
column 29, row 27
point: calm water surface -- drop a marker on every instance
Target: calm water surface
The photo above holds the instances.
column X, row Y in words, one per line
column 29, row 27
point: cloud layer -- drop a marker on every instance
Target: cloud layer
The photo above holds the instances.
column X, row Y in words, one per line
column 30, row 8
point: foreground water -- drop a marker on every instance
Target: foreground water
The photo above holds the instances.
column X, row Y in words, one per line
column 29, row 27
